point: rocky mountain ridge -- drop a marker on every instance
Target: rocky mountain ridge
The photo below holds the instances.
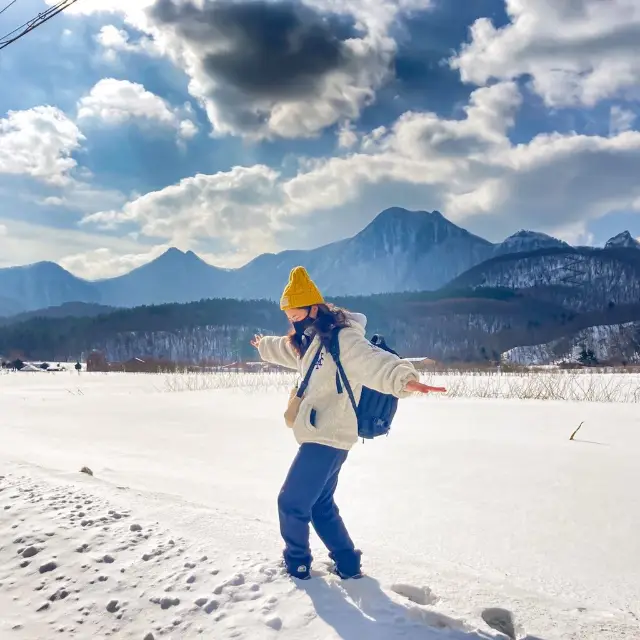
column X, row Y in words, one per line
column 398, row 251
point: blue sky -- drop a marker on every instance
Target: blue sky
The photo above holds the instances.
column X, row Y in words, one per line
column 235, row 127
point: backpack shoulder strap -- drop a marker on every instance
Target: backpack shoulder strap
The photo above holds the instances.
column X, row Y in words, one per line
column 334, row 350
column 333, row 344
column 307, row 377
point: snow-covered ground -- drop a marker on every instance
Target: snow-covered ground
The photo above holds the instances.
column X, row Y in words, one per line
column 469, row 506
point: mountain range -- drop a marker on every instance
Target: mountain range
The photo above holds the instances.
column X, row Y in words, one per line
column 399, row 251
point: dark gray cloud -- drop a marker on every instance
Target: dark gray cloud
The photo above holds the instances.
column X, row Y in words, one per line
column 264, row 49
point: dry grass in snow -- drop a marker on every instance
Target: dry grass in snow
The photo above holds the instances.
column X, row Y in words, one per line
column 548, row 385
column 545, row 384
column 552, row 385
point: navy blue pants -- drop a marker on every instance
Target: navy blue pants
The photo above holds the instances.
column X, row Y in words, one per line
column 307, row 497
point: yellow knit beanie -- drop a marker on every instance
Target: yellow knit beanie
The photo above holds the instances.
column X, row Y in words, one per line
column 301, row 291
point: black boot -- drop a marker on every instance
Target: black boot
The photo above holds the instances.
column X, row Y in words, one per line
column 347, row 564
column 298, row 569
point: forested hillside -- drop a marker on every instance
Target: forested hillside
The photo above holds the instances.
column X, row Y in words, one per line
column 581, row 279
column 449, row 325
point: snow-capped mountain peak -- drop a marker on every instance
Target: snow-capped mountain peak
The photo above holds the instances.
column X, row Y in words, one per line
column 624, row 239
column 176, row 256
column 525, row 240
column 400, row 229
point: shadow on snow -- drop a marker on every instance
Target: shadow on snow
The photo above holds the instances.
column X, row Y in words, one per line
column 360, row 609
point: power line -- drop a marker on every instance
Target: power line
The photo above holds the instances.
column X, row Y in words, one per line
column 36, row 22
column 9, row 5
column 32, row 24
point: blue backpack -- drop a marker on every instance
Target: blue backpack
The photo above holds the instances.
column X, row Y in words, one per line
column 376, row 410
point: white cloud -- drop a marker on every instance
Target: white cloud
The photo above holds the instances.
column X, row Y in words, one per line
column 104, row 262
column 114, row 41
column 117, row 101
column 39, row 142
column 549, row 183
column 187, row 129
column 420, row 148
column 347, row 136
column 27, row 242
column 238, row 206
column 576, row 235
column 81, row 196
column 372, row 12
column 376, row 17
column 577, row 53
column 249, row 92
column 133, row 11
column 251, row 88
column 110, row 37
column 467, row 168
column 110, row 262
column 621, row 120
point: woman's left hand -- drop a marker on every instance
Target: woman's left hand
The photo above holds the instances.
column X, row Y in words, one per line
column 417, row 387
column 256, row 340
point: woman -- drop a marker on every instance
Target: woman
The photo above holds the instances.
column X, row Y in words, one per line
column 326, row 425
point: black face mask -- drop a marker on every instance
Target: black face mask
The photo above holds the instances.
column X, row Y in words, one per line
column 301, row 326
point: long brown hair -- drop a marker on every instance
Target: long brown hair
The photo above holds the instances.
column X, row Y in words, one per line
column 329, row 318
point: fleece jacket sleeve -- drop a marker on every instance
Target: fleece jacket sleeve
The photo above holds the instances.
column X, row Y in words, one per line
column 372, row 367
column 278, row 351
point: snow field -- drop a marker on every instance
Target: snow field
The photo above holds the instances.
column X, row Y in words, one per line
column 72, row 566
column 471, row 511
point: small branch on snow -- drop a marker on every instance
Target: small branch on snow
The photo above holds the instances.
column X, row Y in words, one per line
column 576, row 431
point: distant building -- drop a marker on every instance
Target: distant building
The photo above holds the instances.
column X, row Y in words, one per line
column 31, row 368
column 137, row 365
column 97, row 361
column 248, row 367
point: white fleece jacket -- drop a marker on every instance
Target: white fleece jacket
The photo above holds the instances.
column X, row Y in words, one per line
column 365, row 365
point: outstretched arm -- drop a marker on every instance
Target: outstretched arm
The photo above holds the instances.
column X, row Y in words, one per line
column 379, row 370
column 276, row 350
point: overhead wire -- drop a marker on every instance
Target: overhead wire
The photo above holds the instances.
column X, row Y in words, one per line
column 34, row 23
column 9, row 5
column 43, row 16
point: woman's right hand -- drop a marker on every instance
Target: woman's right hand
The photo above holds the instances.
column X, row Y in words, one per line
column 256, row 340
column 417, row 387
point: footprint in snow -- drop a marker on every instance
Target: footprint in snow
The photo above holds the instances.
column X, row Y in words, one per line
column 274, row 622
column 211, row 606
column 420, row 595
column 372, row 599
column 47, row 567
column 501, row 620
